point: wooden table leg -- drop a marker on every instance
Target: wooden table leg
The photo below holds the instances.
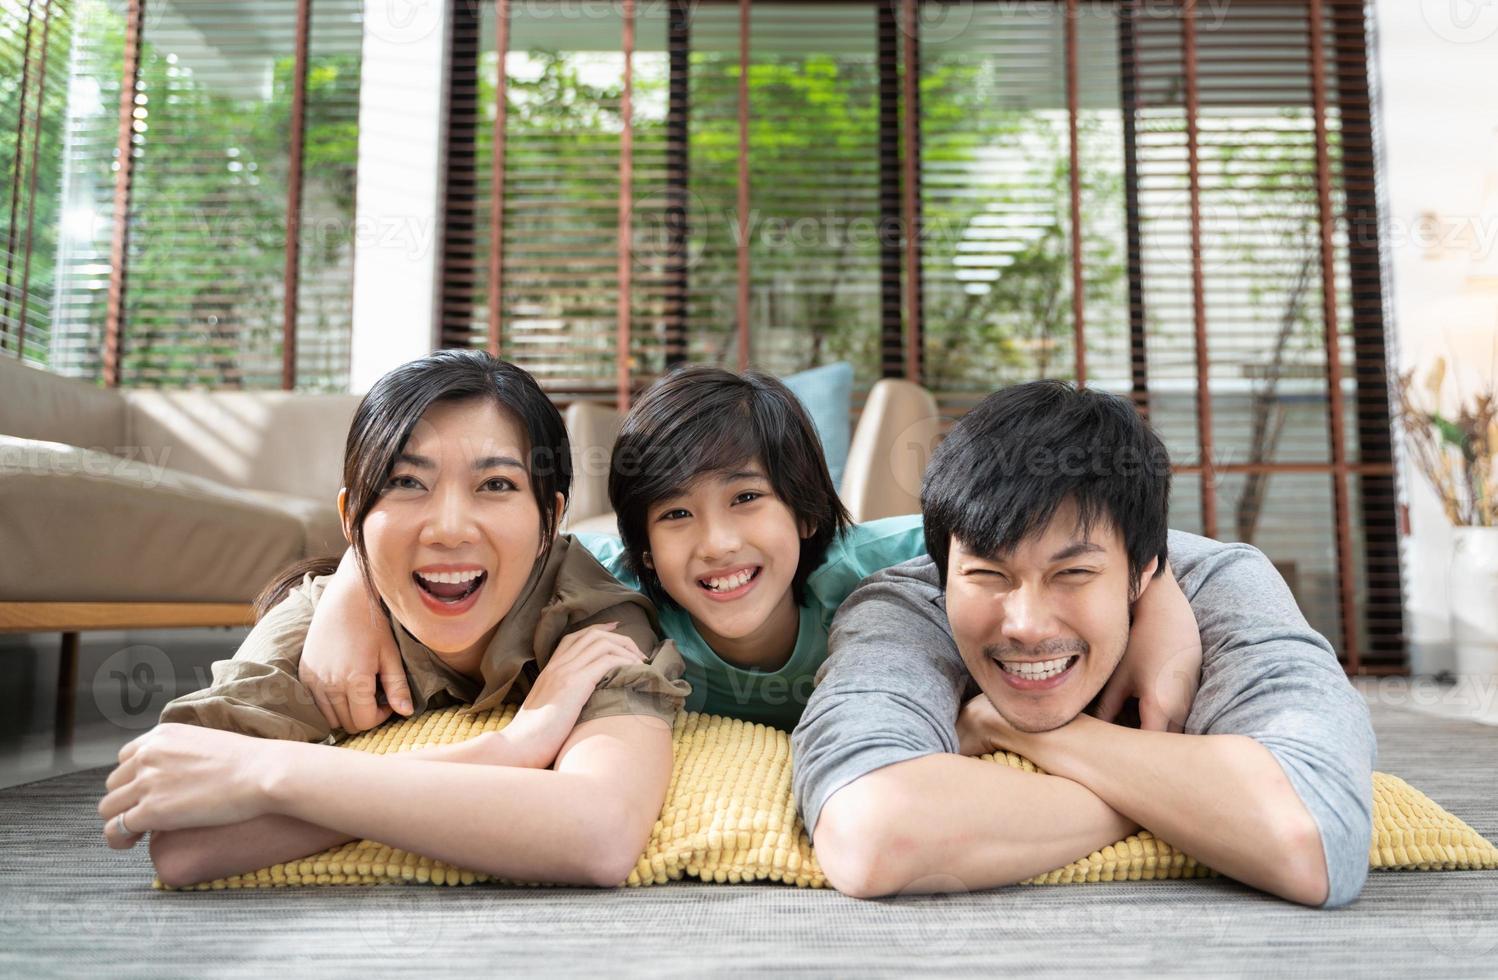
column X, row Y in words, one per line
column 67, row 692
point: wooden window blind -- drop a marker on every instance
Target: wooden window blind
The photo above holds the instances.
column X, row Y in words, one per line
column 206, row 195
column 1170, row 200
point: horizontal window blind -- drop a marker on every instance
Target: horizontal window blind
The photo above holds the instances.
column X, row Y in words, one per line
column 34, row 40
column 202, row 286
column 1173, row 201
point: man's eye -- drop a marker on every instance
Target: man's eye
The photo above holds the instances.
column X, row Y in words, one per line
column 403, row 483
column 1079, row 572
column 499, row 484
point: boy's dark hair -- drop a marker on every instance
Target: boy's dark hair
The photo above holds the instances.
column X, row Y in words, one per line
column 1011, row 462
column 699, row 421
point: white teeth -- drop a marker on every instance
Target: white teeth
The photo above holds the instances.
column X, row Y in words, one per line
column 449, row 578
column 1036, row 671
column 729, row 583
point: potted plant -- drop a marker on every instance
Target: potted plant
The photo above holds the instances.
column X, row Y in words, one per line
column 1456, row 452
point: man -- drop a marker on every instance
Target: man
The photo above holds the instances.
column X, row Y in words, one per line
column 1045, row 518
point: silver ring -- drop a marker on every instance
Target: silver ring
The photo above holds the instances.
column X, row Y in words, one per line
column 120, row 826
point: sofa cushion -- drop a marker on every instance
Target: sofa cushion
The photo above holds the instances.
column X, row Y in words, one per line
column 85, row 526
column 279, row 441
column 827, row 393
column 38, row 404
column 321, row 526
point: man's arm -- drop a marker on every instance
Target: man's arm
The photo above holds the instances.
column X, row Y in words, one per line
column 1223, row 799
column 891, row 806
column 1268, row 676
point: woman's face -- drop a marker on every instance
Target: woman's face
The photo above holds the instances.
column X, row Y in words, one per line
column 456, row 531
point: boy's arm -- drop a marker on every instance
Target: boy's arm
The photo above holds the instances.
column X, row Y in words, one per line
column 349, row 655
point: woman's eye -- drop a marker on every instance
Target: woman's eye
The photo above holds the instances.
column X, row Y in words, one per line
column 403, row 483
column 673, row 515
column 499, row 484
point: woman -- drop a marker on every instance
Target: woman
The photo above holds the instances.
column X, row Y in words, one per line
column 456, row 474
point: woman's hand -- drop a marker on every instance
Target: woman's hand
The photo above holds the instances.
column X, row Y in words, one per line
column 1163, row 663
column 350, row 654
column 570, row 677
column 177, row 776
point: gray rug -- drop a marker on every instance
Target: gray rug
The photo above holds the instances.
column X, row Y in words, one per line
column 71, row 907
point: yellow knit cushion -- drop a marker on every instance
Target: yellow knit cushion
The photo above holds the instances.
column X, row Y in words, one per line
column 729, row 817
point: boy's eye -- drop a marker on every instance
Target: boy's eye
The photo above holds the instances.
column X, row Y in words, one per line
column 403, row 483
column 499, row 484
column 747, row 496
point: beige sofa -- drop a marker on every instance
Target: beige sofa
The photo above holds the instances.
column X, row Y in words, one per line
column 143, row 509
column 160, row 496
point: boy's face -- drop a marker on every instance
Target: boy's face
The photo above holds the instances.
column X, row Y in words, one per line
column 1042, row 629
column 726, row 549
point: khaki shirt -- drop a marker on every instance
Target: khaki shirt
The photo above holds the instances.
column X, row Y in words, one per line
column 258, row 692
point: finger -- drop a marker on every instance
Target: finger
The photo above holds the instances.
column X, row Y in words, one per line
column 1152, row 718
column 364, row 708
column 122, row 774
column 325, row 709
column 1115, row 693
column 120, row 800
column 132, row 747
column 393, row 679
column 119, row 841
column 582, row 646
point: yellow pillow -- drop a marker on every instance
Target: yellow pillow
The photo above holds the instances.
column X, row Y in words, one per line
column 729, row 817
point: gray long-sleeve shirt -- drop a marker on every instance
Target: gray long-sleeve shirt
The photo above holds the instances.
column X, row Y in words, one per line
column 891, row 689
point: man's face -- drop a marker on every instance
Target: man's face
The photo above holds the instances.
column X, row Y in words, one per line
column 1042, row 629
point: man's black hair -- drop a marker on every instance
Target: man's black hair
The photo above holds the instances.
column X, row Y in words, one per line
column 701, row 421
column 1009, row 464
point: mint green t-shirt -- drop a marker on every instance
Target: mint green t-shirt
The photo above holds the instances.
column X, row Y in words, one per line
column 777, row 697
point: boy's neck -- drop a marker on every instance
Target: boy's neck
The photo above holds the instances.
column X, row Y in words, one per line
column 768, row 648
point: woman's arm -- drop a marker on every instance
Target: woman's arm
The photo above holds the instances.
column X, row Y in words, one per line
column 584, row 823
column 193, row 854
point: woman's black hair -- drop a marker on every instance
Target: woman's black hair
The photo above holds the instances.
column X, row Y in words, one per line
column 699, row 421
column 387, row 414
column 1009, row 464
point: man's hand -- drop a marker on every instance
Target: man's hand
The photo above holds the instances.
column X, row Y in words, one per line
column 350, row 654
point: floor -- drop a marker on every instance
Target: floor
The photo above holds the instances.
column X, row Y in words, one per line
column 124, row 679
column 71, row 907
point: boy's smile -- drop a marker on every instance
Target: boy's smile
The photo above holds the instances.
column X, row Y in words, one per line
column 726, row 550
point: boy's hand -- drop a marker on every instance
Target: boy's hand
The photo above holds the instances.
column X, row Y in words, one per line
column 570, row 677
column 350, row 655
column 1163, row 663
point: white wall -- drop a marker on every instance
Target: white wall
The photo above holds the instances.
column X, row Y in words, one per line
column 399, row 195
column 1438, row 62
